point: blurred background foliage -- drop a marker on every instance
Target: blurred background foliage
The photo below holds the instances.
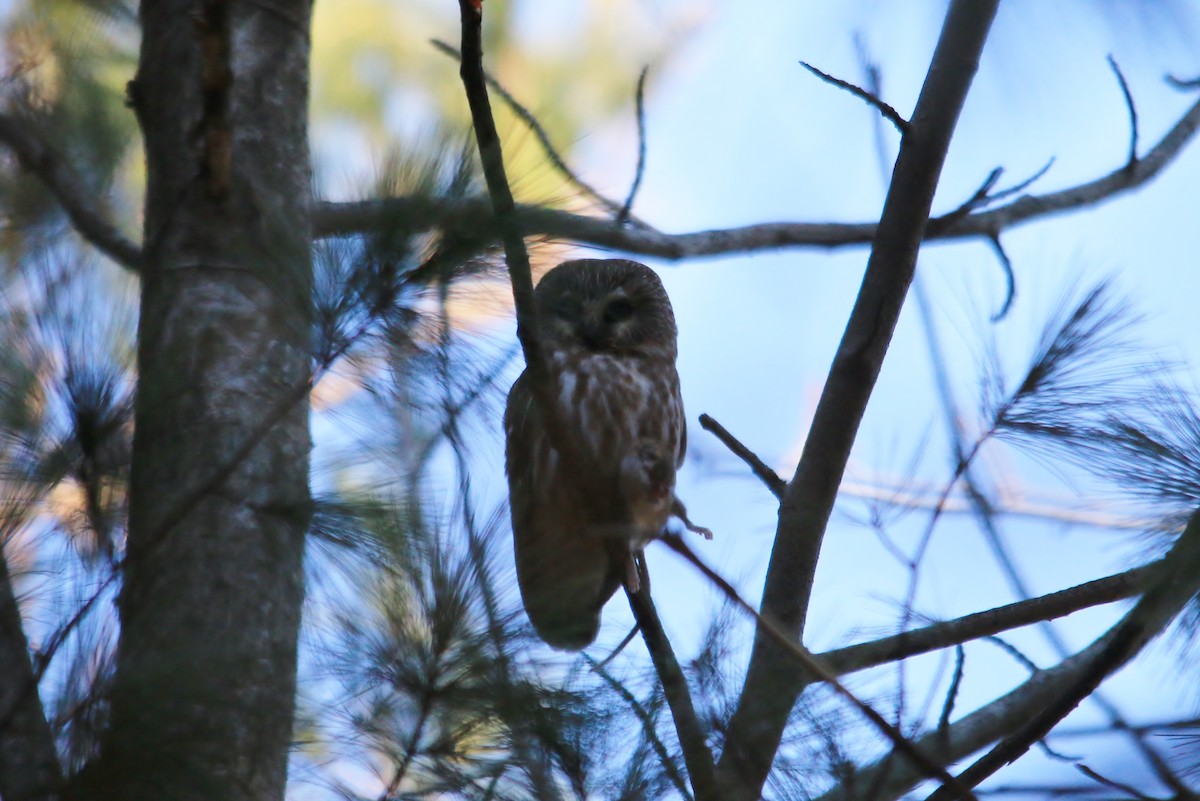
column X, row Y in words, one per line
column 419, row 675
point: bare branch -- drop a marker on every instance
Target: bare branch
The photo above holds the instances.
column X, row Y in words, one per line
column 993, row 621
column 890, row 114
column 696, row 752
column 77, row 202
column 516, row 256
column 771, row 687
column 1133, row 115
column 774, row 483
column 960, row 660
column 346, row 219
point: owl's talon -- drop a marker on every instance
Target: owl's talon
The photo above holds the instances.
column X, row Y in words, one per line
column 632, row 582
column 680, row 511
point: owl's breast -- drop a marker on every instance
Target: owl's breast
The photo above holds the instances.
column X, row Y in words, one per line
column 621, row 404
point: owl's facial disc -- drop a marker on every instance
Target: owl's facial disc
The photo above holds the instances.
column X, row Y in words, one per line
column 608, row 322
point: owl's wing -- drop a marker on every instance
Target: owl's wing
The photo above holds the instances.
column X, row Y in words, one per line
column 682, row 435
column 565, row 574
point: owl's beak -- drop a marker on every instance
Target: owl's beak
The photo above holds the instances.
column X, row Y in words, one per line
column 593, row 334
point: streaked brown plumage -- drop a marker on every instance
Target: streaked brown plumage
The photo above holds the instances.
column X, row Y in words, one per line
column 608, row 333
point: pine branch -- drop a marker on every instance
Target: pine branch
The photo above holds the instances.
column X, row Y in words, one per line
column 29, row 766
column 75, row 199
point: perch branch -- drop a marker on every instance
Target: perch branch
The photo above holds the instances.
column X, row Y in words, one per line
column 64, row 183
column 696, row 754
column 771, row 686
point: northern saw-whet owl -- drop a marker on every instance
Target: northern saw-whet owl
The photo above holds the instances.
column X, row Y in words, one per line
column 608, row 335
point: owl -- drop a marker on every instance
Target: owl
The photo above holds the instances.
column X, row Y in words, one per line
column 608, row 334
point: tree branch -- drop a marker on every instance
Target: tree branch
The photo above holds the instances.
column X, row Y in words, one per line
column 647, row 721
column 814, row 670
column 29, row 768
column 696, row 753
column 352, row 218
column 772, row 685
column 765, row 474
column 75, row 199
column 993, row 621
column 1173, row 586
column 1176, row 581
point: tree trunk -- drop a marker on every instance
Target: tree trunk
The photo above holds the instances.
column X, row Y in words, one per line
column 210, row 608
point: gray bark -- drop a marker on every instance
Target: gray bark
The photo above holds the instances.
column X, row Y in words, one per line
column 210, row 609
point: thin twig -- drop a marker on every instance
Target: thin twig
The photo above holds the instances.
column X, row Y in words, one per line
column 64, row 183
column 1133, row 792
column 774, row 483
column 640, row 107
column 1183, row 84
column 539, row 132
column 1010, row 279
column 1133, row 115
column 889, row 113
column 1013, row 651
column 952, row 691
column 621, row 646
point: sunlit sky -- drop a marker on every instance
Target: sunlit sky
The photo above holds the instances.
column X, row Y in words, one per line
column 740, row 133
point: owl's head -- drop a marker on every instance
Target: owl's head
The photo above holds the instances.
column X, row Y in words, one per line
column 606, row 306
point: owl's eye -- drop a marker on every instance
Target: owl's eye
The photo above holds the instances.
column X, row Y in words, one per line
column 564, row 310
column 618, row 311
